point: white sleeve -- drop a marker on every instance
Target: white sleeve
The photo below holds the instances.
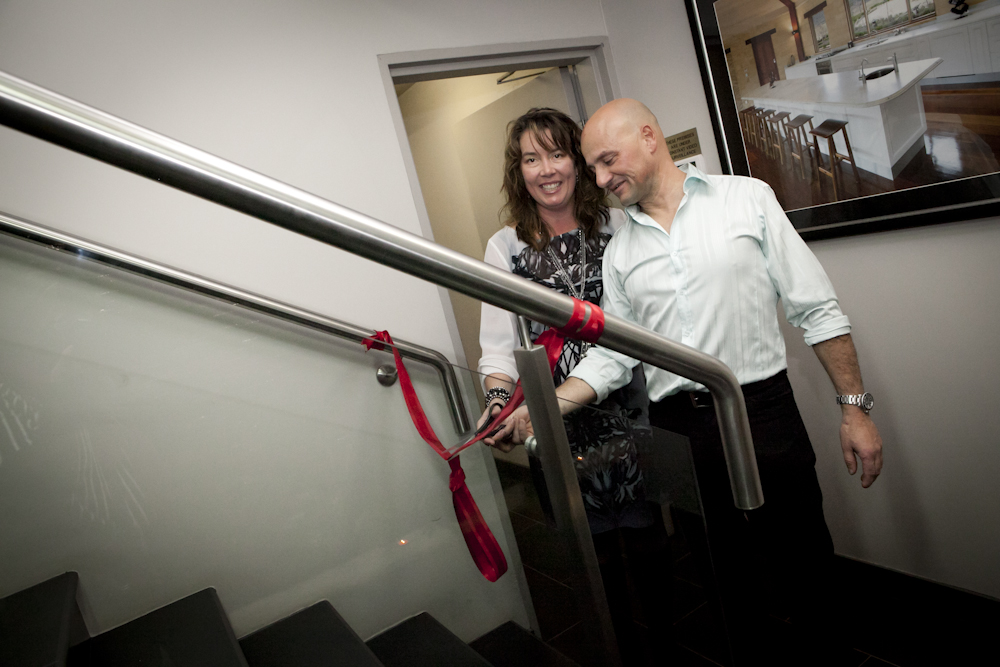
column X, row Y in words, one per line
column 497, row 327
column 806, row 292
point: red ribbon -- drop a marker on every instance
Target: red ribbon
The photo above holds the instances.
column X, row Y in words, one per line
column 482, row 544
column 483, row 547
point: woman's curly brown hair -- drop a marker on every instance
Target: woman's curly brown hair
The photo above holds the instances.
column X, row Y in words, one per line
column 589, row 202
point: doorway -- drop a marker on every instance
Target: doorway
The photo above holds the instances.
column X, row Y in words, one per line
column 763, row 55
column 451, row 109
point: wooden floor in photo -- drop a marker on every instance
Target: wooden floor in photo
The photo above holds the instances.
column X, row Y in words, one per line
column 962, row 140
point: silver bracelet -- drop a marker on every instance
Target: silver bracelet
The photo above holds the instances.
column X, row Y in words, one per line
column 495, row 393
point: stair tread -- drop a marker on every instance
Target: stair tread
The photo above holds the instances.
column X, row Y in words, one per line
column 38, row 624
column 316, row 636
column 422, row 641
column 192, row 632
column 510, row 645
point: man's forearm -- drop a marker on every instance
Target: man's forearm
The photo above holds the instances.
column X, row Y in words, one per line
column 859, row 438
column 573, row 394
column 840, row 360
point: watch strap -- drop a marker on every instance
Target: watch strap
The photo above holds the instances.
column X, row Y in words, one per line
column 856, row 400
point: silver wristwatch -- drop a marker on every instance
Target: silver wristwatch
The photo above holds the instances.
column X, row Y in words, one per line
column 864, row 401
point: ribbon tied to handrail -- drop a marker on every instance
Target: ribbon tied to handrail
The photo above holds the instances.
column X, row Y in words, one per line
column 483, row 547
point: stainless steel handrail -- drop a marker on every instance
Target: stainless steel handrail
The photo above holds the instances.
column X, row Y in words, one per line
column 189, row 281
column 41, row 113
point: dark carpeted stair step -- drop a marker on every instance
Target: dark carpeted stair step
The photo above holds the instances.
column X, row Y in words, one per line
column 423, row 642
column 39, row 624
column 510, row 645
column 192, row 632
column 317, row 636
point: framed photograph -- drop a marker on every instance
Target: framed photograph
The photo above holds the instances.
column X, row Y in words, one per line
column 862, row 115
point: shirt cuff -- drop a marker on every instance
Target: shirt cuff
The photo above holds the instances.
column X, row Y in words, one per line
column 837, row 326
column 491, row 365
column 601, row 378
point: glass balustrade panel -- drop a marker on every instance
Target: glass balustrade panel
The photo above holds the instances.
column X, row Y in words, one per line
column 158, row 441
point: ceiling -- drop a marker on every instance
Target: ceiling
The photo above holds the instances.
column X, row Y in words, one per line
column 733, row 14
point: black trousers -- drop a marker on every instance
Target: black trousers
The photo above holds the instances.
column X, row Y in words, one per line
column 636, row 568
column 773, row 562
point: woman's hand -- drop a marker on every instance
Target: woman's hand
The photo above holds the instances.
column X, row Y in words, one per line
column 516, row 429
column 492, row 410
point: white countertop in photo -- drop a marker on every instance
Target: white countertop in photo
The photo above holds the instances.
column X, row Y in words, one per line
column 844, row 88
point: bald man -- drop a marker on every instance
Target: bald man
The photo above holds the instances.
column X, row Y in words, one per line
column 703, row 260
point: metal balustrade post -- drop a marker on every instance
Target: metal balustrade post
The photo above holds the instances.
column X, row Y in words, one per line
column 551, row 447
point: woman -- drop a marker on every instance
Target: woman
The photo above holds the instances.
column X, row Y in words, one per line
column 557, row 229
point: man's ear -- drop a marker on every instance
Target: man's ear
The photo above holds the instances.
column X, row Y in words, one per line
column 649, row 138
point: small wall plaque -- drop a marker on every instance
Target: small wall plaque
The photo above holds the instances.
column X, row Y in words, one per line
column 684, row 144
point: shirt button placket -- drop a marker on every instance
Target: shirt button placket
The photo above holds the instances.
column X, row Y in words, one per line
column 683, row 304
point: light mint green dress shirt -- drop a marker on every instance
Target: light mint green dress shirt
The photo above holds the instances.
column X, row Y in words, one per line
column 713, row 283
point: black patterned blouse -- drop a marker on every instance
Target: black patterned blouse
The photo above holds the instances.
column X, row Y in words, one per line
column 602, row 437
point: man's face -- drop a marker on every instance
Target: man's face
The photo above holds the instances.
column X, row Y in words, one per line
column 616, row 155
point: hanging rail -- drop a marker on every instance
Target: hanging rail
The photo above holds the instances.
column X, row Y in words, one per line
column 47, row 115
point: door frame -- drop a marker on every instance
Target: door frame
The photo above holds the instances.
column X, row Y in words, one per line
column 430, row 64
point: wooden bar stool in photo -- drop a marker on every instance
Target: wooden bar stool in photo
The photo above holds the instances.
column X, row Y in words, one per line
column 763, row 133
column 746, row 122
column 753, row 125
column 798, row 142
column 827, row 130
column 778, row 139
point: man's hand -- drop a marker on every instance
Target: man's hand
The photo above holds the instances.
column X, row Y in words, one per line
column 858, row 435
column 859, row 438
column 516, row 429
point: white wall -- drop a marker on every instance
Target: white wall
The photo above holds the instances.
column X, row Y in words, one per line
column 656, row 63
column 923, row 306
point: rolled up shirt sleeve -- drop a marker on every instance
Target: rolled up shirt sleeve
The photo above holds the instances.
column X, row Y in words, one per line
column 807, row 295
column 603, row 369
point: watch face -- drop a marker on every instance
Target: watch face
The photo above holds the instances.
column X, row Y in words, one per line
column 867, row 401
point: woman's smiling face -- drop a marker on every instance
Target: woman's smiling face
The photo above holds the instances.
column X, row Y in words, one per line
column 549, row 175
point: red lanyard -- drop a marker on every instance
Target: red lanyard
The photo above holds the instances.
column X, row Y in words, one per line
column 482, row 544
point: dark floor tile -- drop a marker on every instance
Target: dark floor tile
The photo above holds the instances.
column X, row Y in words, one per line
column 686, row 598
column 679, row 546
column 576, row 643
column 687, row 569
column 521, row 498
column 876, row 662
column 545, row 551
column 555, row 604
column 685, row 657
column 511, row 473
column 699, row 632
column 520, row 523
column 787, row 646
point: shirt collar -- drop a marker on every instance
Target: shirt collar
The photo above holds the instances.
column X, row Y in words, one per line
column 691, row 174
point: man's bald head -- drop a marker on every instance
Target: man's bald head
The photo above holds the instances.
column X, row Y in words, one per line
column 623, row 144
column 623, row 115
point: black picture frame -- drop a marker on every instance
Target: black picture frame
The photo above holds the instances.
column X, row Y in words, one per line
column 949, row 201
